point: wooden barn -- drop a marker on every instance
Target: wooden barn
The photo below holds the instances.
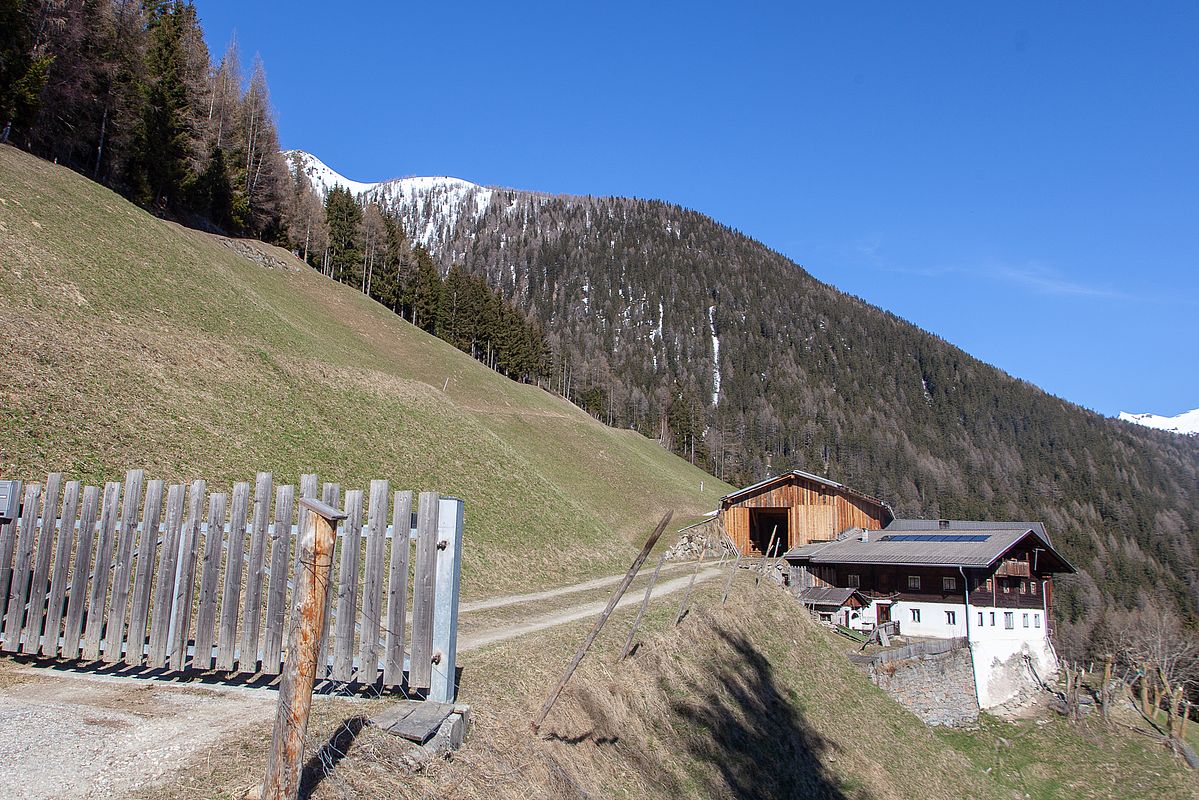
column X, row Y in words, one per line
column 796, row 508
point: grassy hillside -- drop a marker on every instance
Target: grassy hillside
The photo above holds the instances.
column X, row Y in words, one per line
column 745, row 701
column 133, row 342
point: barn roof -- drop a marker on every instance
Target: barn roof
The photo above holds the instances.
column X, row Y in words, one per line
column 799, row 473
column 963, row 547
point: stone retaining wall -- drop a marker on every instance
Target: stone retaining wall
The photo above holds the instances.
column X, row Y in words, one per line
column 937, row 687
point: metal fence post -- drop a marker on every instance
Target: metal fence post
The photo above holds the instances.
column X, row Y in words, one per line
column 445, row 599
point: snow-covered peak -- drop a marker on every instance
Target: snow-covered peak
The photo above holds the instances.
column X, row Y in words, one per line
column 431, row 207
column 1186, row 422
column 323, row 177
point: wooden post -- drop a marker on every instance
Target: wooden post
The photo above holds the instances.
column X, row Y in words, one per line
column 285, row 759
column 599, row 623
column 446, row 588
column 769, row 547
column 1105, row 693
column 649, row 590
column 687, row 594
column 1186, row 717
column 1145, row 689
column 728, row 582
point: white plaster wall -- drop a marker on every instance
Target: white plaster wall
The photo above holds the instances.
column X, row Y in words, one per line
column 933, row 621
column 1000, row 671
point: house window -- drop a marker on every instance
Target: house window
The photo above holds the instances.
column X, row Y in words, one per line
column 1026, row 620
column 914, row 582
column 1032, row 586
column 1036, row 620
column 915, row 615
column 1009, row 620
column 949, row 584
column 853, row 580
column 980, row 618
column 1023, row 587
column 1006, row 584
column 992, row 619
column 951, row 618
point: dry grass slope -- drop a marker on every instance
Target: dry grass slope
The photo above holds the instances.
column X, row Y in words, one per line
column 130, row 341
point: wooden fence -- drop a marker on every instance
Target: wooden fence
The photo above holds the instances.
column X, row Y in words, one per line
column 176, row 578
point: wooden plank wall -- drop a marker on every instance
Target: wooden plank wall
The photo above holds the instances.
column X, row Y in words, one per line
column 109, row 576
column 815, row 512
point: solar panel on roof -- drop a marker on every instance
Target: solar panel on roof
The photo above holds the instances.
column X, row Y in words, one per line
column 935, row 537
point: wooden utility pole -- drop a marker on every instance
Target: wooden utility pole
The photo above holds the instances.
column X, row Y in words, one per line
column 599, row 623
column 728, row 582
column 649, row 590
column 285, row 759
column 687, row 594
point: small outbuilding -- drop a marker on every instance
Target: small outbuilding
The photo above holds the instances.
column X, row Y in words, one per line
column 794, row 509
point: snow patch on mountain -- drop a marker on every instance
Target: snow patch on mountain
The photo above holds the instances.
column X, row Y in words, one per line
column 431, row 207
column 715, row 355
column 1187, row 422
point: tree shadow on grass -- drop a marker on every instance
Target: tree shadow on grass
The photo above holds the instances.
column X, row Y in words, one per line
column 757, row 741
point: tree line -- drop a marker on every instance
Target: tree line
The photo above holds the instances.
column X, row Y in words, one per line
column 127, row 93
column 363, row 244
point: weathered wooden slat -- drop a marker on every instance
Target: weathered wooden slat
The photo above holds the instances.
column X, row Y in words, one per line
column 8, row 542
column 255, row 574
column 420, row 671
column 97, row 599
column 347, row 590
column 80, row 571
column 62, row 568
column 235, row 559
column 122, row 572
column 18, row 590
column 39, row 587
column 309, row 487
column 210, row 577
column 443, row 685
column 413, row 720
column 164, row 584
column 397, row 589
column 331, row 496
column 276, row 600
column 372, row 583
column 147, row 551
column 185, row 575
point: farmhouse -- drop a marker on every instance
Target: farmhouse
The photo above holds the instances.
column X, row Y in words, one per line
column 796, row 508
column 986, row 582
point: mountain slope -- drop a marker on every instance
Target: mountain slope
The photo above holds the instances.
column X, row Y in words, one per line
column 133, row 342
column 666, row 321
column 1186, row 422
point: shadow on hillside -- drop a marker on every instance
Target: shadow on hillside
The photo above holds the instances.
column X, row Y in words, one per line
column 759, row 743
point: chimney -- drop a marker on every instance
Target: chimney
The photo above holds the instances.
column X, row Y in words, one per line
column 865, row 535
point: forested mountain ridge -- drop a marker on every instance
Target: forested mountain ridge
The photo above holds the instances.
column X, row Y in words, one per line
column 662, row 319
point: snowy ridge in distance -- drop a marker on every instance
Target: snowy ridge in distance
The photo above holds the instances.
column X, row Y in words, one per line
column 430, row 206
column 1187, row 422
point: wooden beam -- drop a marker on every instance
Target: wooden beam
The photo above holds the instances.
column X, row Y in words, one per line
column 599, row 623
column 649, row 589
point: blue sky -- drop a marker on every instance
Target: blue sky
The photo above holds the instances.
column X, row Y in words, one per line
column 1020, row 178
